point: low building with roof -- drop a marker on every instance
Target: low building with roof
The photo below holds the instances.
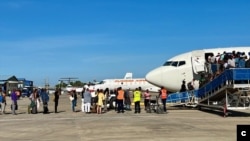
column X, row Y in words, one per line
column 9, row 83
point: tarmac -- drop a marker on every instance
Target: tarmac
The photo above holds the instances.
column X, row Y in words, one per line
column 176, row 125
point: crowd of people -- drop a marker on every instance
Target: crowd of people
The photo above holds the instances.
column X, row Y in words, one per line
column 215, row 65
column 38, row 96
column 90, row 103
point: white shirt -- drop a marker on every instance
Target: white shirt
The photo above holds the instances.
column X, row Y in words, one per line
column 231, row 62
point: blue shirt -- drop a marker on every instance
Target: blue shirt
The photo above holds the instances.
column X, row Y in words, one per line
column 87, row 97
column 44, row 96
column 237, row 61
column 242, row 63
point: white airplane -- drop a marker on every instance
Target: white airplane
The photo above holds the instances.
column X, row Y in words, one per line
column 186, row 66
column 128, row 82
column 77, row 89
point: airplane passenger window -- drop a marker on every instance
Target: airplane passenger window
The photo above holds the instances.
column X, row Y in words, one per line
column 175, row 63
column 182, row 63
column 168, row 63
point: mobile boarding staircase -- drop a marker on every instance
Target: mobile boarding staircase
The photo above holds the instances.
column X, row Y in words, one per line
column 188, row 99
column 229, row 91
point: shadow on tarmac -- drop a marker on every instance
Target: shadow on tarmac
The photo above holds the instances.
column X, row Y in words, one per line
column 230, row 113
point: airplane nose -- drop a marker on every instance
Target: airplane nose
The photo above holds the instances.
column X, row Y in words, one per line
column 155, row 77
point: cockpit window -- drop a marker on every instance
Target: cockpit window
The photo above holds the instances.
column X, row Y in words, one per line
column 174, row 63
column 168, row 63
column 182, row 63
column 171, row 63
column 102, row 82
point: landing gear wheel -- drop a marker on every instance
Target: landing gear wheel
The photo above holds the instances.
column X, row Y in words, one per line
column 112, row 103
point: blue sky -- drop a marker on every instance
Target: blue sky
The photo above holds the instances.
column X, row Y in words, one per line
column 98, row 39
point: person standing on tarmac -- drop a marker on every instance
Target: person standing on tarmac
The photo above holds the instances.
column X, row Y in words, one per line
column 127, row 100
column 87, row 101
column 147, row 99
column 106, row 95
column 74, row 101
column 45, row 99
column 120, row 100
column 3, row 101
column 83, row 104
column 34, row 98
column 163, row 94
column 137, row 99
column 14, row 98
column 183, row 86
column 56, row 98
column 101, row 97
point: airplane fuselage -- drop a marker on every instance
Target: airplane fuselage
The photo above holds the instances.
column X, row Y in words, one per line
column 125, row 84
column 186, row 66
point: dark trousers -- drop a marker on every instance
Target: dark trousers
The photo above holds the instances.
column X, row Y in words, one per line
column 73, row 105
column 137, row 107
column 146, row 103
column 45, row 107
column 164, row 104
column 120, row 105
column 56, row 105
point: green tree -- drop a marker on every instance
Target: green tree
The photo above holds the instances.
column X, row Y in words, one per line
column 77, row 84
column 61, row 85
column 74, row 84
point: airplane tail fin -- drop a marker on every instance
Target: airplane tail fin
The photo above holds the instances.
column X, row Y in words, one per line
column 128, row 75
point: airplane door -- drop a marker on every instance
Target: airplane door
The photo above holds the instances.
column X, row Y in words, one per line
column 198, row 61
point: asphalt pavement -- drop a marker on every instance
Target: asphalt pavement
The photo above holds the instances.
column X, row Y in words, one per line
column 176, row 125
